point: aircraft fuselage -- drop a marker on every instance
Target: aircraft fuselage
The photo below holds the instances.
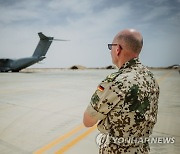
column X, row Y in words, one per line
column 15, row 65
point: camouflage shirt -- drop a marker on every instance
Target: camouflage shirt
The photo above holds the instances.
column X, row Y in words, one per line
column 126, row 102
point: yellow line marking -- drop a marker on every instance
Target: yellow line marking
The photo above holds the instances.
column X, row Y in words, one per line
column 60, row 139
column 76, row 140
column 164, row 76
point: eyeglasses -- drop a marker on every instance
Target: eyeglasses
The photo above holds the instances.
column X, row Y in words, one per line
column 110, row 46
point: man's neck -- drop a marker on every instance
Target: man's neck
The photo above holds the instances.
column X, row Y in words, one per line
column 122, row 61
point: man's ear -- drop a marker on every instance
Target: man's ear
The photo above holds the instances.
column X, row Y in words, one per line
column 118, row 51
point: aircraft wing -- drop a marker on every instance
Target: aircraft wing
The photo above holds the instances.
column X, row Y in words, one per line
column 43, row 37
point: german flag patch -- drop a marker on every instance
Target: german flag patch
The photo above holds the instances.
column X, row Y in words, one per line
column 100, row 88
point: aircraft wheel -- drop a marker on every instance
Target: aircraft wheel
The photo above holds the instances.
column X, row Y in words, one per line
column 15, row 71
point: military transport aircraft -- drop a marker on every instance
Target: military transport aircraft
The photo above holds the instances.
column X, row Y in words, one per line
column 15, row 65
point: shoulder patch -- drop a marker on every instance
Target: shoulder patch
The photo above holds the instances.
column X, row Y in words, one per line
column 95, row 98
column 100, row 88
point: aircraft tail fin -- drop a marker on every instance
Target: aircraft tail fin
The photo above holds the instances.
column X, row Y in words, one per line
column 43, row 45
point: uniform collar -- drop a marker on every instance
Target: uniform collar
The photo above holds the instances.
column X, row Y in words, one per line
column 130, row 63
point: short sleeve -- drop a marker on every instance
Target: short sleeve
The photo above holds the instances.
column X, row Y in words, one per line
column 107, row 95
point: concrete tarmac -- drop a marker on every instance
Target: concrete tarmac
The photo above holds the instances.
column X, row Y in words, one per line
column 41, row 111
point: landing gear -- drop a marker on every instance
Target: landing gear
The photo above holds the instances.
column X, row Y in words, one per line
column 15, row 71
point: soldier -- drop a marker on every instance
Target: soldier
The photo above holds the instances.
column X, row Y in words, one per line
column 125, row 103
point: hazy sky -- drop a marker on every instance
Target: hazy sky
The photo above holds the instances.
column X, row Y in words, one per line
column 90, row 25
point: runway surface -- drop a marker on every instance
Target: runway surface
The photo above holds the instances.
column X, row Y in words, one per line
column 41, row 111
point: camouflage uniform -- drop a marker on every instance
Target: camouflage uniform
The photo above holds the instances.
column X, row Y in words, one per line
column 126, row 104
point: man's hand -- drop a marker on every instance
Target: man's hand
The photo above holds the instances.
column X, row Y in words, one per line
column 89, row 120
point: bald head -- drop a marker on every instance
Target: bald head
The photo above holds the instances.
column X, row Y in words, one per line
column 131, row 39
